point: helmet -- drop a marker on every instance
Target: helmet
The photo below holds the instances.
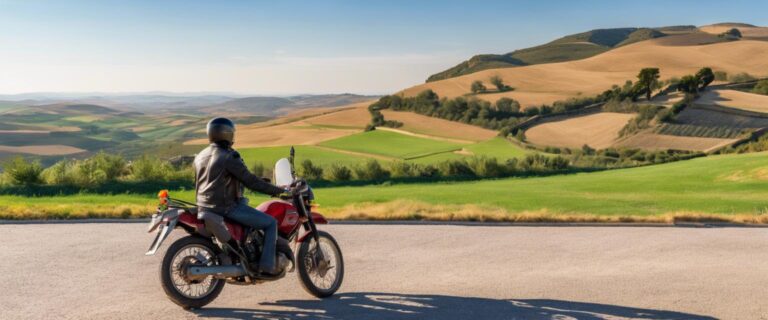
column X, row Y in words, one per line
column 221, row 130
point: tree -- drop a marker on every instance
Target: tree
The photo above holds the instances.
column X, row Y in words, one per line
column 499, row 83
column 688, row 84
column 507, row 106
column 761, row 87
column 478, row 87
column 648, row 80
column 705, row 76
column 310, row 171
column 19, row 171
column 733, row 33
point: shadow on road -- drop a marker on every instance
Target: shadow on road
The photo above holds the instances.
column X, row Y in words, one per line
column 369, row 305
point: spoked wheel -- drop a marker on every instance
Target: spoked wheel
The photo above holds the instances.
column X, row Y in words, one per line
column 321, row 266
column 186, row 291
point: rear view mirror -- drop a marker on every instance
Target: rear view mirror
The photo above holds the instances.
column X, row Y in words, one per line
column 283, row 176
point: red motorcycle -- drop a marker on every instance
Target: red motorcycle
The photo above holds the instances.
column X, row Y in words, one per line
column 196, row 267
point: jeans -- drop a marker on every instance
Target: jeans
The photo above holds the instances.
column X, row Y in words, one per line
column 246, row 215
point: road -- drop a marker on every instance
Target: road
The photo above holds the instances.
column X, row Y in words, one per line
column 99, row 271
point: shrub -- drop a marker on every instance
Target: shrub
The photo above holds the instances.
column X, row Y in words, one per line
column 338, row 172
column 742, row 77
column 371, row 171
column 59, row 173
column 721, row 76
column 733, row 33
column 689, row 84
column 310, row 171
column 478, row 87
column 761, row 87
column 148, row 169
column 486, row 167
column 257, row 168
column 400, row 169
column 455, row 168
column 499, row 84
column 112, row 166
column 19, row 171
column 705, row 76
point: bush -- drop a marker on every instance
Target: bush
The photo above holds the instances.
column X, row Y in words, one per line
column 761, row 87
column 452, row 168
column 721, row 76
column 338, row 173
column 19, row 171
column 257, row 168
column 310, row 171
column 147, row 168
column 486, row 167
column 399, row 169
column 478, row 87
column 742, row 77
column 497, row 82
column 112, row 166
column 371, row 171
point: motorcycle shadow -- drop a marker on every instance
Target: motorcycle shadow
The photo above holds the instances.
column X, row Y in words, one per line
column 374, row 305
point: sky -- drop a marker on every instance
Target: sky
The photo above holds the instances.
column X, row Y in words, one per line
column 296, row 47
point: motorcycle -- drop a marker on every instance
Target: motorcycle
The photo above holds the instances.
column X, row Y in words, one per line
column 196, row 267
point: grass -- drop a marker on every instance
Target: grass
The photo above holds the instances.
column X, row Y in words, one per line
column 498, row 148
column 269, row 155
column 391, row 144
column 725, row 188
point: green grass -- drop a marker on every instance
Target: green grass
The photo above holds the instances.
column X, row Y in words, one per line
column 391, row 144
column 498, row 148
column 269, row 155
column 721, row 185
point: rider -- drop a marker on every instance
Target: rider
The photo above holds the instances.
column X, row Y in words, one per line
column 220, row 175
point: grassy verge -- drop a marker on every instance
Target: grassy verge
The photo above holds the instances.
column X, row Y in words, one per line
column 716, row 188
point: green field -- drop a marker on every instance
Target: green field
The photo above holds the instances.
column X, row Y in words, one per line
column 269, row 155
column 391, row 144
column 730, row 186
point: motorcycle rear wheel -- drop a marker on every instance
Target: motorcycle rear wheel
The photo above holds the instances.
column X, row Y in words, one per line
column 188, row 300
column 320, row 279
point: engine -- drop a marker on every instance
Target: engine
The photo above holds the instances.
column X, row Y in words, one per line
column 253, row 246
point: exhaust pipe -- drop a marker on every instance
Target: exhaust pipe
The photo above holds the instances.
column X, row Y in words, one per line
column 220, row 272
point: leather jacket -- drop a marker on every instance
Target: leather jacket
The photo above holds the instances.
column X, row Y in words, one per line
column 220, row 175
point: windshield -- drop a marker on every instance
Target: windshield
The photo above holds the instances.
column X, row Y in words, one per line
column 283, row 176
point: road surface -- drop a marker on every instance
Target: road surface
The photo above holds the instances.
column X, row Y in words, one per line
column 98, row 271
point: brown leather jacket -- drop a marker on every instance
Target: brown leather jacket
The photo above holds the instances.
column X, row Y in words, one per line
column 220, row 175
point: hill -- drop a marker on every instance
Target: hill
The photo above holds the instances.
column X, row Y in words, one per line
column 591, row 43
column 546, row 83
column 572, row 47
column 273, row 106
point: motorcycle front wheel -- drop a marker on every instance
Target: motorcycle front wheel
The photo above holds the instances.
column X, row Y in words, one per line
column 183, row 291
column 320, row 265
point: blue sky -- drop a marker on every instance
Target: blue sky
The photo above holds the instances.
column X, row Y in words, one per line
column 286, row 47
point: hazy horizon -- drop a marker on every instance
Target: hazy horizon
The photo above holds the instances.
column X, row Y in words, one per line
column 280, row 49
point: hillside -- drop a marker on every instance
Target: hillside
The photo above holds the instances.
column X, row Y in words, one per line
column 546, row 83
column 572, row 47
column 273, row 106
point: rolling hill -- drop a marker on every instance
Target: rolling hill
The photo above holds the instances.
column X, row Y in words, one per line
column 572, row 47
column 546, row 83
column 587, row 44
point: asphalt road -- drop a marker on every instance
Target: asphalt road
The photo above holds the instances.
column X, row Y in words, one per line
column 99, row 271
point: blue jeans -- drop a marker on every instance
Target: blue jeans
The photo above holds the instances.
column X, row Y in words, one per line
column 248, row 216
